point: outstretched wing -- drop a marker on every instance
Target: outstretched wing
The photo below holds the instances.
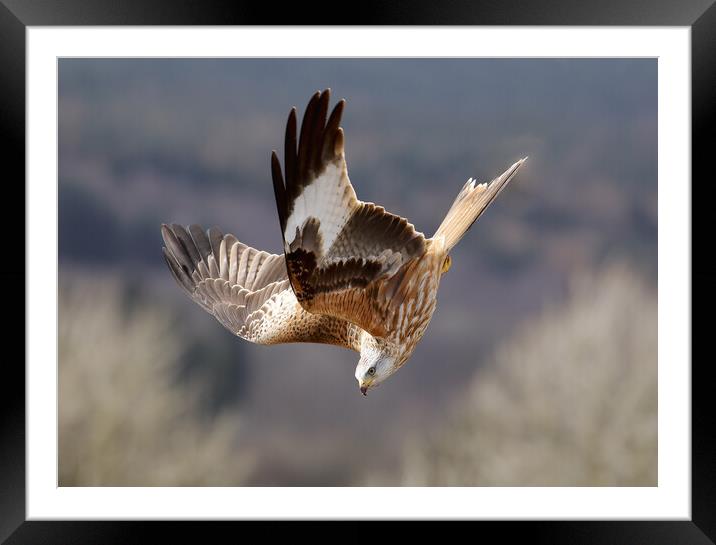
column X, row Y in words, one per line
column 339, row 250
column 245, row 289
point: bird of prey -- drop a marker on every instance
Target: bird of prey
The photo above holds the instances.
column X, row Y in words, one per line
column 351, row 273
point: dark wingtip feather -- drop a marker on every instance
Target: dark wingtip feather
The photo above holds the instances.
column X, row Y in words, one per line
column 176, row 248
column 201, row 241
column 317, row 134
column 166, row 232
column 279, row 190
column 305, row 140
column 290, row 156
column 179, row 274
column 183, row 236
column 332, row 128
column 215, row 238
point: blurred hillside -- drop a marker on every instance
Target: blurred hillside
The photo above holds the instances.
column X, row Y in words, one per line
column 124, row 417
column 143, row 142
column 569, row 400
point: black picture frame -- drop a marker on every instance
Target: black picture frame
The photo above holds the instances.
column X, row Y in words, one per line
column 16, row 15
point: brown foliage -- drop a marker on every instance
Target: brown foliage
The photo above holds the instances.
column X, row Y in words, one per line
column 124, row 419
column 570, row 400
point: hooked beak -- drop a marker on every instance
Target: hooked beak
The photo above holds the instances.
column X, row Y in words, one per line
column 364, row 390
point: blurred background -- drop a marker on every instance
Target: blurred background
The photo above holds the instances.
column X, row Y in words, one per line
column 540, row 364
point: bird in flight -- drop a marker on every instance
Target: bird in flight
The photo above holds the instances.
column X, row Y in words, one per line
column 351, row 273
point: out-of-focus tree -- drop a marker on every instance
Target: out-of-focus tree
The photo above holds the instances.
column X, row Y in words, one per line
column 570, row 399
column 124, row 418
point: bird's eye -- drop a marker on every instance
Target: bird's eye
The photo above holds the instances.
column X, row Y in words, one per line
column 371, row 371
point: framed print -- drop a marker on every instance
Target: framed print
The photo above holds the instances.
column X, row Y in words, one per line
column 555, row 380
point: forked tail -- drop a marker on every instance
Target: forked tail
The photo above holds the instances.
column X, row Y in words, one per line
column 469, row 204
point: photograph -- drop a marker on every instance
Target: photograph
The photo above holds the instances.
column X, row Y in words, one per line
column 357, row 272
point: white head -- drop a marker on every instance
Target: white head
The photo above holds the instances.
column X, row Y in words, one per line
column 378, row 360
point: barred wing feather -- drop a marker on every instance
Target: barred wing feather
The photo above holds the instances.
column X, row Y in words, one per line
column 245, row 289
